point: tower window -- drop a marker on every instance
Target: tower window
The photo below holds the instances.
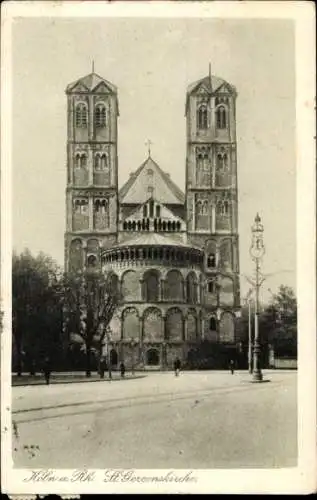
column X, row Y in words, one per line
column 223, row 208
column 101, row 162
column 81, row 206
column 211, row 261
column 81, row 115
column 158, row 210
column 100, row 115
column 221, row 117
column 80, row 160
column 145, row 211
column 202, row 118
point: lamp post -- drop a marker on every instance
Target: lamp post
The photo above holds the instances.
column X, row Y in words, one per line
column 248, row 300
column 257, row 251
column 218, row 310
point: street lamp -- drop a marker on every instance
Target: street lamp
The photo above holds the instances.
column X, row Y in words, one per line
column 257, row 251
column 133, row 343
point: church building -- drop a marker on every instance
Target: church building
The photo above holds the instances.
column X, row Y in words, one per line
column 175, row 255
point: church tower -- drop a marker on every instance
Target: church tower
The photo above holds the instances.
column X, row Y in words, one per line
column 92, row 171
column 212, row 199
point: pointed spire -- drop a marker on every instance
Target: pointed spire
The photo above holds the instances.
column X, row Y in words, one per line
column 93, row 66
column 210, row 74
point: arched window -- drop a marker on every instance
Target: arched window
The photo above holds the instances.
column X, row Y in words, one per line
column 80, row 160
column 81, row 115
column 221, row 117
column 83, row 160
column 202, row 118
column 203, row 165
column 92, row 261
column 100, row 115
column 202, row 217
column 145, row 211
column 211, row 260
column 97, row 162
column 151, row 286
column 211, row 286
column 158, row 210
column 212, row 324
column 103, row 162
column 178, row 226
column 191, row 288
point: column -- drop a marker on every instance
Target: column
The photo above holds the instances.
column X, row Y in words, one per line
column 213, row 218
column 91, row 118
column 91, row 213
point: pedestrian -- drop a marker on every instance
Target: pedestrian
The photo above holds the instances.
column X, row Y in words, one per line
column 47, row 370
column 122, row 369
column 102, row 367
column 177, row 366
column 231, row 366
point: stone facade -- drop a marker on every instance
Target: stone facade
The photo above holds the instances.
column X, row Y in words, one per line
column 176, row 255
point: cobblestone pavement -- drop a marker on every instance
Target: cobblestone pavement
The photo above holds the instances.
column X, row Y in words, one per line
column 197, row 420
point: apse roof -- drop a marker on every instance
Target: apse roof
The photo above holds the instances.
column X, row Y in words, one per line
column 146, row 239
column 135, row 190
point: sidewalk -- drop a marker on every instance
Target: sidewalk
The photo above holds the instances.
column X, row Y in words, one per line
column 69, row 378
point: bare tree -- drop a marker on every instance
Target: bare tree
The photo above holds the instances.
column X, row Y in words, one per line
column 90, row 300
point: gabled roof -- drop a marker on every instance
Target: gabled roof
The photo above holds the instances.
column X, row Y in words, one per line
column 135, row 190
column 166, row 213
column 90, row 83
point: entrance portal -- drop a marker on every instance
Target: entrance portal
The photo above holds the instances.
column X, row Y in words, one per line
column 152, row 357
column 113, row 357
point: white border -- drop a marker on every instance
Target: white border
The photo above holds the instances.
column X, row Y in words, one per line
column 297, row 480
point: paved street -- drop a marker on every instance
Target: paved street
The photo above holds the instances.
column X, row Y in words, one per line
column 198, row 420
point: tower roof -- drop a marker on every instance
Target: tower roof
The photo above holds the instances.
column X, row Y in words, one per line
column 212, row 83
column 89, row 83
column 135, row 190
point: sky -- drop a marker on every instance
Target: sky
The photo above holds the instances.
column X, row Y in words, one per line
column 152, row 61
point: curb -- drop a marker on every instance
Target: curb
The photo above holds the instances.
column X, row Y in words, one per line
column 72, row 381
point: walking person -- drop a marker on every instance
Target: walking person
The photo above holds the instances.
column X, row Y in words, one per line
column 47, row 370
column 177, row 366
column 231, row 366
column 122, row 369
column 102, row 367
